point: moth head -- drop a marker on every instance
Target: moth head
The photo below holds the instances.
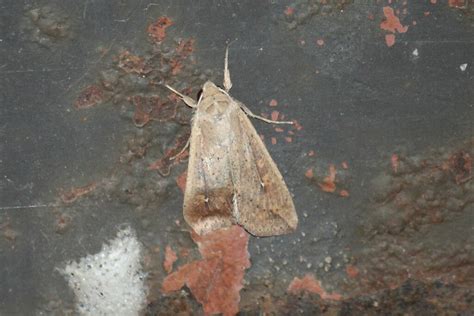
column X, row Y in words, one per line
column 209, row 89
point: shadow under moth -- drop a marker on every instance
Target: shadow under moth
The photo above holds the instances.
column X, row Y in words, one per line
column 231, row 177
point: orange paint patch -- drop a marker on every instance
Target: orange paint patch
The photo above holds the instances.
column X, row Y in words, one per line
column 274, row 141
column 390, row 40
column 289, row 11
column 288, row 139
column 344, row 193
column 275, row 115
column 181, row 180
column 310, row 284
column 309, row 173
column 157, row 29
column 328, row 184
column 170, row 258
column 392, row 22
column 216, row 279
column 320, row 42
column 352, row 271
column 273, row 102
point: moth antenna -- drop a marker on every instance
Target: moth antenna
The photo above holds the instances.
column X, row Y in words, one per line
column 249, row 113
column 182, row 150
column 187, row 100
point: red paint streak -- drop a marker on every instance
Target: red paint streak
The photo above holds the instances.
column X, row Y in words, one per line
column 216, row 279
column 395, row 162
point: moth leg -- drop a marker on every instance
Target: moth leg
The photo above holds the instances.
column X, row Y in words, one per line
column 189, row 102
column 182, row 150
column 227, row 82
column 249, row 113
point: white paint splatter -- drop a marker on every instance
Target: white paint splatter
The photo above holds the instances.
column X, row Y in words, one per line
column 110, row 282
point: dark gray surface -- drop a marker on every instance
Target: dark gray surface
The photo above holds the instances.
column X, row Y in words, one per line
column 357, row 100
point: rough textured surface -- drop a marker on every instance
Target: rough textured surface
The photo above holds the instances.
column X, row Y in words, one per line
column 379, row 161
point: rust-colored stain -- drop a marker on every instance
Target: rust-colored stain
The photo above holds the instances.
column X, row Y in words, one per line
column 157, row 29
column 394, row 163
column 171, row 157
column 89, row 97
column 181, row 180
column 132, row 63
column 275, row 115
column 328, row 184
column 216, row 279
column 309, row 173
column 184, row 49
column 457, row 3
column 352, row 271
column 170, row 259
column 391, row 24
column 273, row 140
column 273, row 102
column 309, row 284
column 75, row 193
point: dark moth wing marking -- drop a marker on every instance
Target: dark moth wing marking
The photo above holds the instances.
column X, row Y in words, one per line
column 263, row 204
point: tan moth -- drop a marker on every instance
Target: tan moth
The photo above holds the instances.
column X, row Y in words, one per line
column 231, row 177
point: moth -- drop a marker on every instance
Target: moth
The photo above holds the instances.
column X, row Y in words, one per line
column 231, row 177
